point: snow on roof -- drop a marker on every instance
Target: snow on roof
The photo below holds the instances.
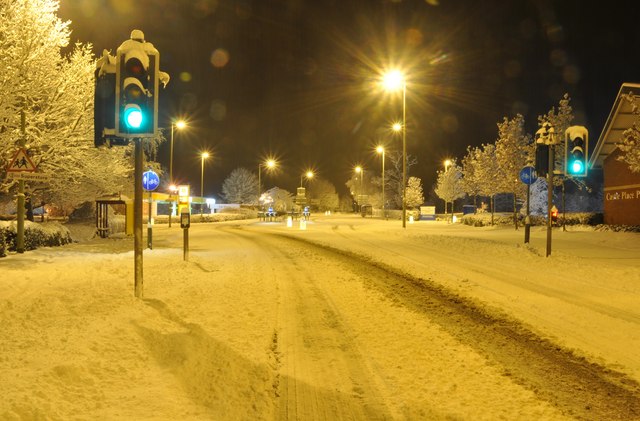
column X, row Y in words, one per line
column 620, row 118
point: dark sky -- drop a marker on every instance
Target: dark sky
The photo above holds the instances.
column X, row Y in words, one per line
column 295, row 79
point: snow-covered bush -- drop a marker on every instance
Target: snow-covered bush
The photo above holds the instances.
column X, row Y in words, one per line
column 35, row 235
column 484, row 219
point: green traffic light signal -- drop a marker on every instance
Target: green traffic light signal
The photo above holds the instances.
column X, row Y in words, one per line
column 576, row 151
column 133, row 117
column 576, row 167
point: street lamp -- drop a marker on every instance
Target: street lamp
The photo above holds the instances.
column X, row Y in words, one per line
column 380, row 150
column 360, row 170
column 393, row 81
column 180, row 124
column 308, row 174
column 446, row 167
column 269, row 164
column 204, row 156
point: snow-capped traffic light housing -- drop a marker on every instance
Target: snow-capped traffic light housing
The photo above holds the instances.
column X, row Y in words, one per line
column 104, row 99
column 544, row 137
column 137, row 74
column 576, row 143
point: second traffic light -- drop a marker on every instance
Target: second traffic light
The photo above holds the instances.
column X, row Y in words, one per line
column 136, row 110
column 576, row 151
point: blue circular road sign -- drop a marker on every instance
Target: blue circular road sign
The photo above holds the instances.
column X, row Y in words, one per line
column 150, row 180
column 528, row 175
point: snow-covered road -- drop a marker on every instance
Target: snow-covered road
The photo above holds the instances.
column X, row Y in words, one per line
column 270, row 322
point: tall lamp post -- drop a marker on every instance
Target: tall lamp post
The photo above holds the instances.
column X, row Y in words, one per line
column 180, row 124
column 393, row 81
column 359, row 170
column 204, row 156
column 446, row 167
column 269, row 164
column 380, row 150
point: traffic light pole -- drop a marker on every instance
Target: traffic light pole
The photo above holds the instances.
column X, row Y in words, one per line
column 550, row 195
column 137, row 218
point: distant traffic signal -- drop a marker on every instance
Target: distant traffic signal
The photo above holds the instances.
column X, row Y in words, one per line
column 136, row 108
column 576, row 151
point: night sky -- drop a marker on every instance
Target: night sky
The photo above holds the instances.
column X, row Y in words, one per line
column 297, row 79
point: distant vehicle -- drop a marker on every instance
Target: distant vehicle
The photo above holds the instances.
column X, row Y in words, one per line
column 366, row 210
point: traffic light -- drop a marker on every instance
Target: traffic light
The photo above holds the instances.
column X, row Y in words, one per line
column 104, row 98
column 136, row 108
column 576, row 142
column 544, row 137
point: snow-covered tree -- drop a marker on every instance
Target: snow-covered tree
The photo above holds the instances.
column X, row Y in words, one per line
column 393, row 176
column 323, row 195
column 449, row 185
column 55, row 93
column 282, row 200
column 414, row 194
column 471, row 182
column 538, row 198
column 514, row 150
column 630, row 144
column 488, row 173
column 241, row 186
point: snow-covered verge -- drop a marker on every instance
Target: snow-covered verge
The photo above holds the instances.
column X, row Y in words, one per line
column 36, row 235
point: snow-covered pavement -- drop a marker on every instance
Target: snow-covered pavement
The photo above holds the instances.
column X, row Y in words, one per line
column 256, row 326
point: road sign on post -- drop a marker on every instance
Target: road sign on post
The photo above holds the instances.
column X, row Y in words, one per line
column 528, row 175
column 150, row 180
column 21, row 162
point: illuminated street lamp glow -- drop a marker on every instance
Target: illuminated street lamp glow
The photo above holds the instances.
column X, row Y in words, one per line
column 393, row 80
column 308, row 174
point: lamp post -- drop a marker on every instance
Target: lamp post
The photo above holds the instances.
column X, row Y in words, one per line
column 393, row 81
column 446, row 167
column 380, row 150
column 269, row 164
column 204, row 156
column 360, row 170
column 180, row 124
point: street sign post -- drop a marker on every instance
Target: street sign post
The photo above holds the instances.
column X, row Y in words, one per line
column 528, row 176
column 150, row 182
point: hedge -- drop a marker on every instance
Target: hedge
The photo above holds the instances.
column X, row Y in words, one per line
column 36, row 235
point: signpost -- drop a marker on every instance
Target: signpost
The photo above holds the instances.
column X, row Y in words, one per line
column 528, row 176
column 150, row 182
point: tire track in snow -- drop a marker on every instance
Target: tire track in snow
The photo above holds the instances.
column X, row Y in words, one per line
column 578, row 387
column 320, row 370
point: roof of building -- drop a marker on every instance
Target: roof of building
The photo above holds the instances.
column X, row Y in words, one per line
column 620, row 119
